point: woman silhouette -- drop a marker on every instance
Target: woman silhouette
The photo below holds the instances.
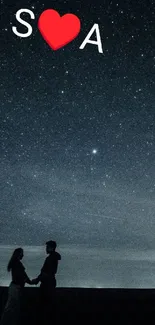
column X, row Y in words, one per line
column 11, row 314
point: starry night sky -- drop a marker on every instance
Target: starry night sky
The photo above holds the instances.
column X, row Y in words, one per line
column 77, row 132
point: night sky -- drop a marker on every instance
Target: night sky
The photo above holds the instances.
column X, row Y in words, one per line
column 77, row 132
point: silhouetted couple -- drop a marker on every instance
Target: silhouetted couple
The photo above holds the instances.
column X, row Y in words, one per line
column 11, row 314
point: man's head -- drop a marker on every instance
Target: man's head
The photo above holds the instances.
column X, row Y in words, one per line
column 50, row 246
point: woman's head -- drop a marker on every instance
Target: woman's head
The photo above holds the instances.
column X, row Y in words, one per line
column 16, row 256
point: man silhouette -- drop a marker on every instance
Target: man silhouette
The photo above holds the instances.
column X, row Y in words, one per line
column 47, row 277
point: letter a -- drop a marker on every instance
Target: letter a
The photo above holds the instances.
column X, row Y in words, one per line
column 87, row 39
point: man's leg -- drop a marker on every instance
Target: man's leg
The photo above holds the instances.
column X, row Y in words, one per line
column 47, row 302
column 51, row 310
column 41, row 310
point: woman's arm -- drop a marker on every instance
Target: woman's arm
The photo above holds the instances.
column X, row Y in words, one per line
column 27, row 279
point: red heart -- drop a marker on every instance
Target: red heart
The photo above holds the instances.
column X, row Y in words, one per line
column 58, row 31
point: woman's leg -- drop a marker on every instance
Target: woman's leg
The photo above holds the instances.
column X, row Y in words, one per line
column 11, row 314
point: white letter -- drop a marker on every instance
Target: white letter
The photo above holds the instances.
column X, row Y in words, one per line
column 23, row 22
column 87, row 39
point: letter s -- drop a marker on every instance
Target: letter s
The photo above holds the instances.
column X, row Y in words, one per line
column 23, row 22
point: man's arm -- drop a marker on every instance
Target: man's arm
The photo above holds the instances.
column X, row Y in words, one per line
column 41, row 276
column 37, row 280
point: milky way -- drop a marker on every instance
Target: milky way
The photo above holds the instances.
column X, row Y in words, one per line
column 77, row 129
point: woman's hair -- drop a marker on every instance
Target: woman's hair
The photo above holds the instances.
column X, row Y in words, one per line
column 15, row 257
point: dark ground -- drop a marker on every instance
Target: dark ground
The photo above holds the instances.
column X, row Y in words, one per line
column 76, row 305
